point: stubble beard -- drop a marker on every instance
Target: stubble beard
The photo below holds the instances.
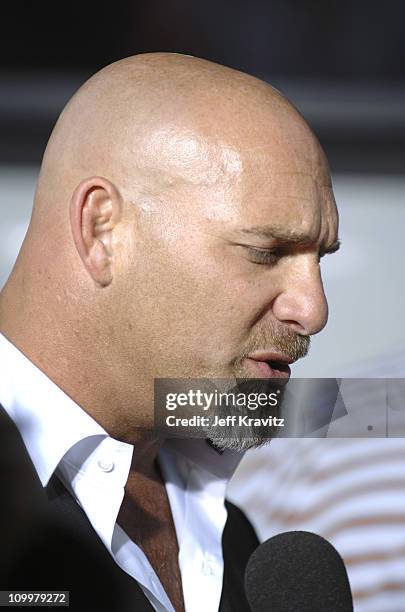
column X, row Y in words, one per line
column 240, row 439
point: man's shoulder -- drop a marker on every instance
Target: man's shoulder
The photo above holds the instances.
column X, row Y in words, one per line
column 17, row 469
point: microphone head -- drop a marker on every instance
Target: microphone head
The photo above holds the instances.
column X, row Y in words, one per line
column 297, row 571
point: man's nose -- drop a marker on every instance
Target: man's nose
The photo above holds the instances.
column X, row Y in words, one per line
column 302, row 303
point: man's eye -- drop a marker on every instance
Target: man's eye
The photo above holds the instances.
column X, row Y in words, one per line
column 263, row 256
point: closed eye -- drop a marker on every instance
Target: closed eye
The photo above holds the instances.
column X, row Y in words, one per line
column 263, row 256
column 272, row 256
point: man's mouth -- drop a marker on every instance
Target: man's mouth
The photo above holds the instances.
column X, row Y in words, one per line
column 269, row 365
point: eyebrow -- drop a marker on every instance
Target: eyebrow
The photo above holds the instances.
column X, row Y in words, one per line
column 288, row 236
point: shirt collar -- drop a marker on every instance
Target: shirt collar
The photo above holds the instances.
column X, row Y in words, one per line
column 50, row 422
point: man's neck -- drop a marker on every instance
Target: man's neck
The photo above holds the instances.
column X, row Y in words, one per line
column 71, row 368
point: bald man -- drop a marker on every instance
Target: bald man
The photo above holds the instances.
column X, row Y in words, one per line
column 181, row 212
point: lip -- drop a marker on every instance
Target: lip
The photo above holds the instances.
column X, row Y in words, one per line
column 258, row 364
column 271, row 356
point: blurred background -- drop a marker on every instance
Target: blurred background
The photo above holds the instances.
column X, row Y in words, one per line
column 342, row 64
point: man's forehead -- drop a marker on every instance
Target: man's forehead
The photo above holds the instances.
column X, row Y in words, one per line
column 282, row 172
column 286, row 157
column 289, row 197
column 184, row 155
column 285, row 206
column 296, row 183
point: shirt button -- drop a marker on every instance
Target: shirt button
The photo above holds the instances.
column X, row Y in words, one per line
column 208, row 567
column 105, row 465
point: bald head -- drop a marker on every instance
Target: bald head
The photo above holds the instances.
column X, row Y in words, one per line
column 162, row 118
column 153, row 248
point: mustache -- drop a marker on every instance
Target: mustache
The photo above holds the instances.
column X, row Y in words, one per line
column 294, row 346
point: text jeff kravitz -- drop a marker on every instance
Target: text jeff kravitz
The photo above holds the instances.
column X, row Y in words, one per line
column 228, row 421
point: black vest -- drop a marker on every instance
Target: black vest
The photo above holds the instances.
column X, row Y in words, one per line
column 47, row 542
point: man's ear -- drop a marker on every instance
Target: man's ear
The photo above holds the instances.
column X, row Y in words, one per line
column 95, row 210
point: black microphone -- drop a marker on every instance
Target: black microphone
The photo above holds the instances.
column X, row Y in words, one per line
column 297, row 571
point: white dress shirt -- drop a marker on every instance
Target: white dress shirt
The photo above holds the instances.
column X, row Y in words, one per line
column 94, row 467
